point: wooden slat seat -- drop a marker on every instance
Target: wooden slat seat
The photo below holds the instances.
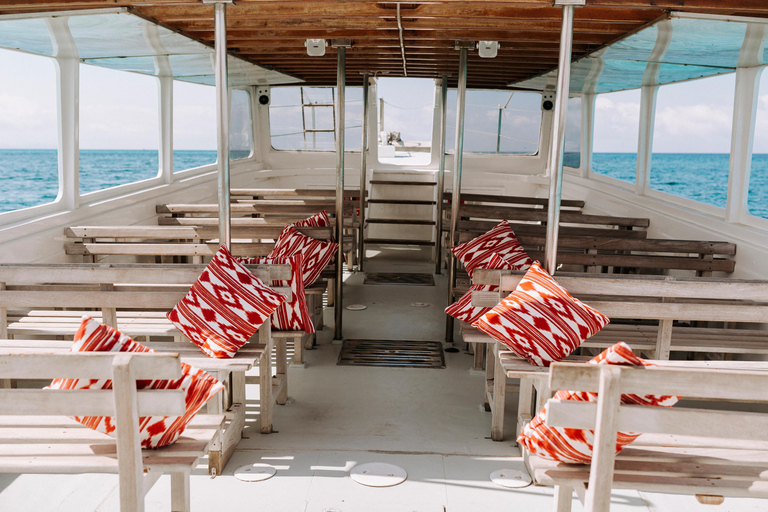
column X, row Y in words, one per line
column 494, row 198
column 37, row 434
column 645, row 309
column 134, row 299
column 291, row 192
column 708, row 452
column 540, row 215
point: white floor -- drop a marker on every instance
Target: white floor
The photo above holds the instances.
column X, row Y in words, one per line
column 429, row 421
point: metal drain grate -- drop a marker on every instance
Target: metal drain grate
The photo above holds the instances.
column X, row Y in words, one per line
column 399, row 278
column 397, row 354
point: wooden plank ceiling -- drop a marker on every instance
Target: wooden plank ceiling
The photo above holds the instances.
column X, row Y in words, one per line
column 272, row 33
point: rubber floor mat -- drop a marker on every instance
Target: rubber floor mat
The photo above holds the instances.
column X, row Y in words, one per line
column 399, row 278
column 392, row 353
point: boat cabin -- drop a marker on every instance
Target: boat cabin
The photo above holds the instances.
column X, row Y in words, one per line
column 484, row 196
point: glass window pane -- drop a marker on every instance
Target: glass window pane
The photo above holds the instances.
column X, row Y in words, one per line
column 504, row 122
column 617, row 124
column 194, row 125
column 118, row 128
column 757, row 202
column 692, row 139
column 303, row 118
column 29, row 174
column 240, row 125
column 572, row 153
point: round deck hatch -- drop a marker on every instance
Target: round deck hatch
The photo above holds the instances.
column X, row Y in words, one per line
column 356, row 307
column 378, row 474
column 511, row 478
column 255, row 472
column 420, row 304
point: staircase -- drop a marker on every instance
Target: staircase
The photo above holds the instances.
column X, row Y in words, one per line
column 401, row 209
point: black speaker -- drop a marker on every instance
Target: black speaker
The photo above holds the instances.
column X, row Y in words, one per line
column 262, row 94
column 547, row 100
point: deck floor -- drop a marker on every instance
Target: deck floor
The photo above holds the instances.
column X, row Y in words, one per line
column 429, row 421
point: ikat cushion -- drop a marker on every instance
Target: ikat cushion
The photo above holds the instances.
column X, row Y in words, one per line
column 463, row 309
column 225, row 307
column 317, row 220
column 156, row 431
column 540, row 321
column 292, row 315
column 575, row 445
column 500, row 240
column 317, row 253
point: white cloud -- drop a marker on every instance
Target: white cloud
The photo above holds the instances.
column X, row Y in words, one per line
column 693, row 128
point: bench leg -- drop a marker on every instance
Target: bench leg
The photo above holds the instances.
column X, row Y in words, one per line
column 180, row 491
column 478, row 359
column 524, row 402
column 499, row 398
column 563, row 498
column 265, row 379
column 281, row 371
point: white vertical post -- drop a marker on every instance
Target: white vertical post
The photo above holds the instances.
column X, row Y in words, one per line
column 165, row 112
column 363, row 175
column 68, row 111
column 222, row 117
column 648, row 93
column 341, row 81
column 441, row 173
column 557, row 144
column 587, row 132
column 458, row 155
column 744, row 113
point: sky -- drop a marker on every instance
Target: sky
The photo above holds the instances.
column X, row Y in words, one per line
column 119, row 111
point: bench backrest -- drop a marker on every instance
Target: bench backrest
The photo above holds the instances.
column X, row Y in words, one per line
column 607, row 415
column 107, row 287
column 123, row 402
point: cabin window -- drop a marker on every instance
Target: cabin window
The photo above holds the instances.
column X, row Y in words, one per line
column 240, row 145
column 572, row 150
column 757, row 202
column 304, row 118
column 29, row 174
column 692, row 139
column 616, row 129
column 497, row 122
column 118, row 128
column 406, row 109
column 194, row 125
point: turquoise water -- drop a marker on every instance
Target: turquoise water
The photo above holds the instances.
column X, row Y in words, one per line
column 702, row 177
column 30, row 177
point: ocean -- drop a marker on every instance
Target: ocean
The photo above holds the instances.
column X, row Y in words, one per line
column 29, row 177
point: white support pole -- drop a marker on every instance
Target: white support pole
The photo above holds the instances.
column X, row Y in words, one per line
column 363, row 174
column 587, row 132
column 648, row 93
column 164, row 102
column 744, row 114
column 68, row 111
column 441, row 173
column 222, row 117
column 458, row 155
column 341, row 78
column 165, row 113
column 557, row 144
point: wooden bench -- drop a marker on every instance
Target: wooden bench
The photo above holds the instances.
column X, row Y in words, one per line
column 709, row 452
column 37, row 434
column 645, row 309
column 134, row 299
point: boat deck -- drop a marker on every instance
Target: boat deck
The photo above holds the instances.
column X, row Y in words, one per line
column 429, row 421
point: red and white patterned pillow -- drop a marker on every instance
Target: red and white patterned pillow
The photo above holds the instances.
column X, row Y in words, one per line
column 463, row 308
column 225, row 307
column 315, row 221
column 575, row 445
column 156, row 431
column 540, row 321
column 317, row 253
column 293, row 315
column 500, row 240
